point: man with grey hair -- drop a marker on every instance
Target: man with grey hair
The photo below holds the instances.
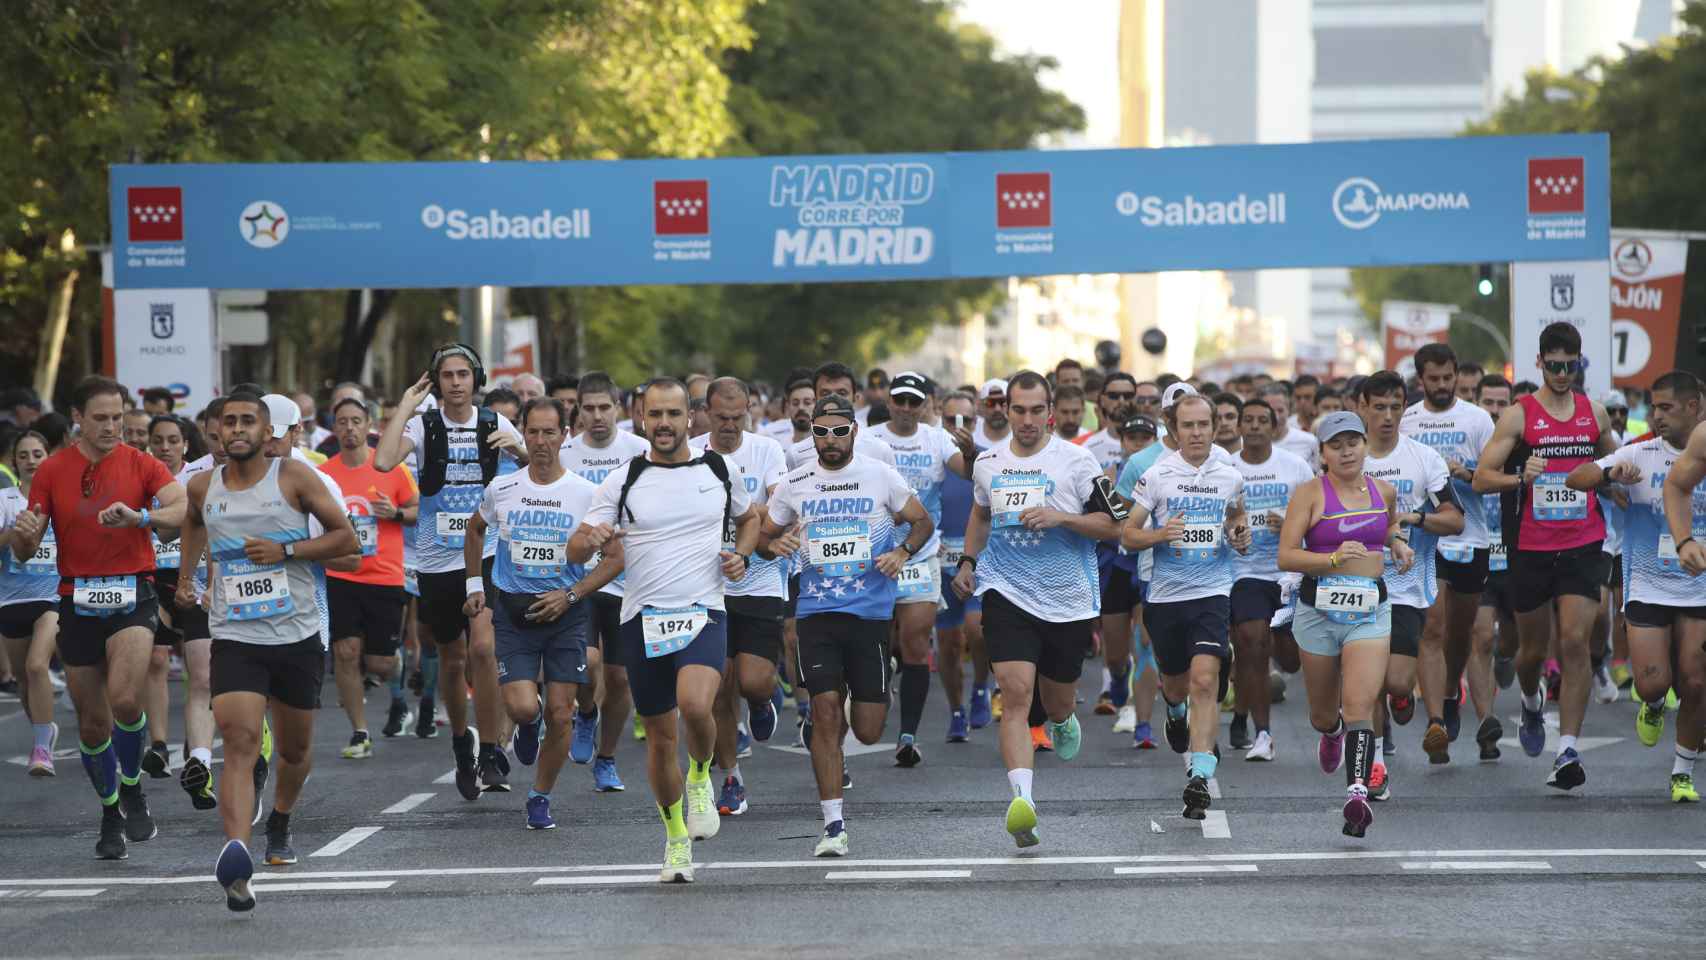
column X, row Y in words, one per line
column 312, row 433
column 528, row 387
column 1278, row 396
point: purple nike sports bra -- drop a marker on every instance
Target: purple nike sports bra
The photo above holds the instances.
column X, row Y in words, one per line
column 1338, row 525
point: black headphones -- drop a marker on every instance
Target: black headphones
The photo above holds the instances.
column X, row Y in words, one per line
column 458, row 350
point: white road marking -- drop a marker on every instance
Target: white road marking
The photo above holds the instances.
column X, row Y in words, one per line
column 850, row 747
column 345, row 841
column 1214, row 788
column 56, row 894
column 1478, row 865
column 1215, row 827
column 447, row 778
column 1187, row 868
column 295, row 887
column 409, row 802
column 897, row 875
column 595, row 881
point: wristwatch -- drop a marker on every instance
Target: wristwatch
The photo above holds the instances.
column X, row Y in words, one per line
column 911, row 550
column 290, row 551
column 574, row 597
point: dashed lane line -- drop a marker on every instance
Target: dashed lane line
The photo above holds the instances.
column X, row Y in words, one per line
column 409, row 802
column 345, row 841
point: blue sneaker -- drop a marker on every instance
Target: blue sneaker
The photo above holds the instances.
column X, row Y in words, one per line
column 763, row 720
column 979, row 714
column 526, row 741
column 743, row 743
column 1143, row 738
column 1452, row 710
column 233, row 870
column 1532, row 733
column 539, row 814
column 1567, row 772
column 778, row 697
column 733, row 801
column 604, row 778
column 958, row 730
column 585, row 741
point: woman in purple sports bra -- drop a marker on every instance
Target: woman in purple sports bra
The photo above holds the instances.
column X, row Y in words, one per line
column 1335, row 530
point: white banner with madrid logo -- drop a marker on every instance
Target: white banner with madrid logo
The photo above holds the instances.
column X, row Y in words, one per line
column 1407, row 327
column 164, row 338
column 1647, row 275
column 1577, row 292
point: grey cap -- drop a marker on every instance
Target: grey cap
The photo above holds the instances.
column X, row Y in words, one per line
column 832, row 405
column 1340, row 421
column 1616, row 399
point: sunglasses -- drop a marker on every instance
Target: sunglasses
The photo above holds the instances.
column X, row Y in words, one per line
column 1118, row 395
column 905, row 400
column 1561, row 367
column 839, row 431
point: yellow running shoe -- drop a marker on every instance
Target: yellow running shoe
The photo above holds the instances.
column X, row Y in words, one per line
column 1682, row 788
column 266, row 739
column 1022, row 822
column 1649, row 724
column 640, row 730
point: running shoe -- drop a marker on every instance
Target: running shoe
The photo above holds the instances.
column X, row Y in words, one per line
column 111, row 845
column 41, row 762
column 1179, row 732
column 906, row 752
column 1488, row 738
column 1604, row 688
column 1379, row 782
column 1621, row 674
column 743, row 742
column 803, row 732
column 1532, row 733
column 1451, row 713
column 263, row 768
column 1276, row 687
column 1388, row 746
column 833, row 843
column 1239, row 733
column 467, row 769
column 1263, row 747
column 539, row 814
column 1401, row 709
column 360, row 746
column 846, row 778
column 733, row 801
column 958, row 730
column 1567, row 772
column 640, row 734
column 979, row 714
column 233, row 870
column 1127, row 720
column 677, row 861
column 1554, row 677
column 525, row 741
column 1228, row 697
column 1068, row 737
column 197, row 781
column 1040, row 742
column 995, row 704
column 1022, row 822
column 1358, row 814
column 1197, row 800
column 604, row 777
column 1682, row 788
column 1331, row 750
column 1105, row 705
column 1504, row 671
column 763, row 719
column 584, row 744
column 1142, row 737
column 494, row 768
column 1650, row 724
column 396, row 720
column 138, row 822
column 279, row 851
column 156, row 761
column 702, row 819
column 1436, row 743
column 426, row 727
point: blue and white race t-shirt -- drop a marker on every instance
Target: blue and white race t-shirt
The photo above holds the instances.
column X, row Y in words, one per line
column 593, row 464
column 1459, row 433
column 534, row 523
column 1050, row 574
column 760, row 464
column 36, row 579
column 1104, row 445
column 1199, row 563
column 1268, row 487
column 1414, row 471
column 443, row 518
column 923, row 460
column 1651, row 570
column 849, row 522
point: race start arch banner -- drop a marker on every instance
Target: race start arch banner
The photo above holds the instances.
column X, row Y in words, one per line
column 838, row 218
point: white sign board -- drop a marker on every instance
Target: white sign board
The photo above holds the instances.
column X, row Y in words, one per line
column 1575, row 291
column 164, row 338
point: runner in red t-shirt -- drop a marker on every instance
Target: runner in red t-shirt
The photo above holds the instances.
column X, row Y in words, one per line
column 96, row 493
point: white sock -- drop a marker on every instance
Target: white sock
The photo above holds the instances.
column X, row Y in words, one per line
column 1020, row 780
column 1566, row 742
column 1534, row 701
column 204, row 754
column 831, row 810
column 1107, row 680
column 734, row 771
column 1684, row 760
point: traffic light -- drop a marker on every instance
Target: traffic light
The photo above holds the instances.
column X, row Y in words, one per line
column 1484, row 279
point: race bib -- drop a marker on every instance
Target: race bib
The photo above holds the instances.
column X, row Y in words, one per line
column 951, row 550
column 255, row 591
column 1667, row 547
column 1457, row 553
column 1498, row 557
column 1013, row 494
column 1347, row 599
column 103, row 596
column 839, row 548
column 452, row 528
column 366, row 533
column 1555, row 501
column 669, row 631
column 538, row 558
column 167, row 556
column 918, row 579
column 45, row 561
column 1200, row 542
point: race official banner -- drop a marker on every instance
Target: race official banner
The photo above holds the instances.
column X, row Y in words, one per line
column 164, row 338
column 1406, row 327
column 874, row 217
column 1647, row 277
column 1577, row 292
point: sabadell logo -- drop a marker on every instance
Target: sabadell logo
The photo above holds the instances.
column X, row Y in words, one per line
column 494, row 224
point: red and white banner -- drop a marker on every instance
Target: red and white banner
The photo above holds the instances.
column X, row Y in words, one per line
column 1646, row 305
column 1407, row 327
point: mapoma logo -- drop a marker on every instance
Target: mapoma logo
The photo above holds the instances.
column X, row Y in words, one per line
column 263, row 224
column 459, row 224
column 1359, row 202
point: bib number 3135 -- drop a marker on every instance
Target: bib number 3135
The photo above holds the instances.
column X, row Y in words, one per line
column 1555, row 501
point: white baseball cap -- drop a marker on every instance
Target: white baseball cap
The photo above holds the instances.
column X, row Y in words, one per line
column 1175, row 393
column 284, row 413
column 992, row 387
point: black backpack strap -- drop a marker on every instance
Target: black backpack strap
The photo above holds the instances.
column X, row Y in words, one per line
column 636, row 466
column 485, row 427
column 720, row 468
column 435, row 455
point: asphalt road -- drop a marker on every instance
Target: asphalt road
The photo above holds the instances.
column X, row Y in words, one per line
column 1468, row 859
